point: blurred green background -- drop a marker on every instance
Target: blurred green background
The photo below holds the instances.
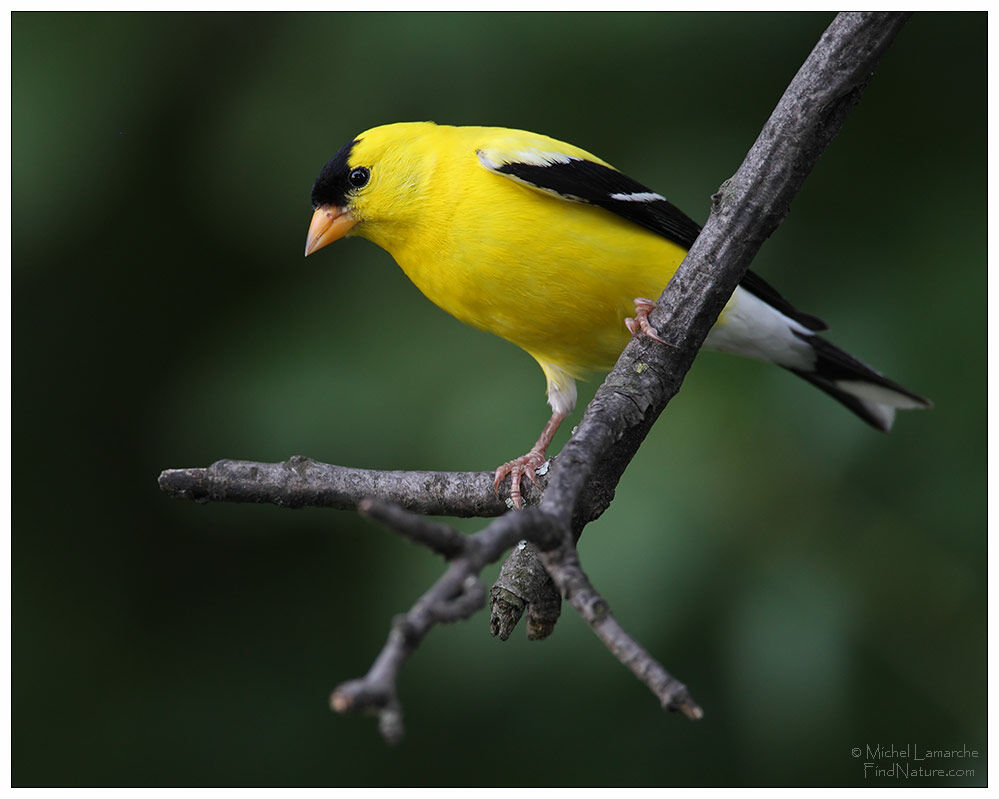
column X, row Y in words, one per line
column 817, row 585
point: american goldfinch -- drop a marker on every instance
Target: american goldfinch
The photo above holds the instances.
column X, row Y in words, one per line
column 553, row 249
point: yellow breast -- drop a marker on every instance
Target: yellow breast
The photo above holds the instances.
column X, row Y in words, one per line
column 554, row 277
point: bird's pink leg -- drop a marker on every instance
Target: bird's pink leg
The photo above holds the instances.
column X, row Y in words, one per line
column 527, row 464
column 640, row 322
column 535, row 457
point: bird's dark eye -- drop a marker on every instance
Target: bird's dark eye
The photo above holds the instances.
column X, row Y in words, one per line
column 358, row 177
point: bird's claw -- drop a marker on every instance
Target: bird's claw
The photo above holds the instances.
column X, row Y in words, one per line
column 640, row 322
column 517, row 468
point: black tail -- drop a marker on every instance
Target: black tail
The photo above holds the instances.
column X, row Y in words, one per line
column 865, row 391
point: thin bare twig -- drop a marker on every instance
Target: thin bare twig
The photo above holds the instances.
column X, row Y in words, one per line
column 564, row 567
column 456, row 595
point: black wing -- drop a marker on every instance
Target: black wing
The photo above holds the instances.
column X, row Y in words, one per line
column 579, row 180
column 585, row 181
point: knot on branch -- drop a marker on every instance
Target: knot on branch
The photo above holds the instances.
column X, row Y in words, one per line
column 524, row 585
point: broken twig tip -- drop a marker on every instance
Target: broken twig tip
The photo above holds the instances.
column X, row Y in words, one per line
column 340, row 703
column 687, row 706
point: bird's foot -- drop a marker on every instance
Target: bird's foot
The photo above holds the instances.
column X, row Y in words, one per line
column 640, row 322
column 517, row 468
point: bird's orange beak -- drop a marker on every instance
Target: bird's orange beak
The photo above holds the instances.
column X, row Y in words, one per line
column 329, row 223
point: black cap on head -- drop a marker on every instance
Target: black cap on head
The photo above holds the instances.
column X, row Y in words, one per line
column 332, row 184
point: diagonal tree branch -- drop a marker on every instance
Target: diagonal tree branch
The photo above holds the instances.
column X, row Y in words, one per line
column 746, row 210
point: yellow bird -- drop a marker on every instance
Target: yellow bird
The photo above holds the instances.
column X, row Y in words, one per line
column 553, row 249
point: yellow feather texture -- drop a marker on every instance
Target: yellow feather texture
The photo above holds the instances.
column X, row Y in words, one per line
column 557, row 278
